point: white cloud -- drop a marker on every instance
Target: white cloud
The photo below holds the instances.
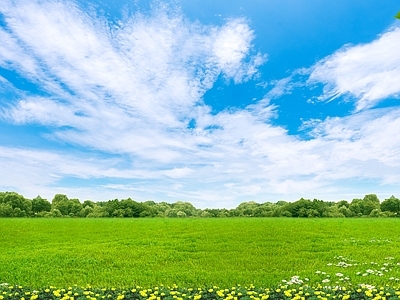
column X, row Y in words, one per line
column 178, row 172
column 151, row 70
column 369, row 72
column 231, row 47
column 129, row 94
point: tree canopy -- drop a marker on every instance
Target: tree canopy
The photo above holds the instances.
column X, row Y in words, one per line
column 13, row 204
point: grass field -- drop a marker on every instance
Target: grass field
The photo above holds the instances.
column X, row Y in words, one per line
column 197, row 252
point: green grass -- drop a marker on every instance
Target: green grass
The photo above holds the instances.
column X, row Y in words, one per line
column 193, row 252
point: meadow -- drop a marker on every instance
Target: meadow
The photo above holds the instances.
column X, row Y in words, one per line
column 198, row 252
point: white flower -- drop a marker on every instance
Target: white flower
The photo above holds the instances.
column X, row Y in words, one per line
column 325, row 280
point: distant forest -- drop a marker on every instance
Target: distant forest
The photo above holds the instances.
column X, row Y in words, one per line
column 15, row 205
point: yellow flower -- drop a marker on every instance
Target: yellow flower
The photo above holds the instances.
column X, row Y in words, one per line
column 57, row 293
column 368, row 293
column 288, row 293
column 142, row 293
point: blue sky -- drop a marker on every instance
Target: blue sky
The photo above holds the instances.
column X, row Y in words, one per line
column 211, row 102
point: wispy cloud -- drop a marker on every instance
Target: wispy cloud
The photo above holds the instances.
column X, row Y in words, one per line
column 369, row 72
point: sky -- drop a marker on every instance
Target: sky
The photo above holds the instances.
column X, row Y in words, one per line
column 210, row 102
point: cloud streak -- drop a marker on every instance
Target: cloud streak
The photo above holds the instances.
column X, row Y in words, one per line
column 370, row 73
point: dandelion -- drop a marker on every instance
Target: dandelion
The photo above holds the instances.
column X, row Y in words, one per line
column 325, row 280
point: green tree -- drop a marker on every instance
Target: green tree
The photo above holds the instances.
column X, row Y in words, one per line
column 334, row 212
column 16, row 200
column 171, row 213
column 185, row 207
column 88, row 203
column 247, row 209
column 19, row 213
column 97, row 212
column 392, row 205
column 132, row 208
column 377, row 213
column 87, row 210
column 398, row 15
column 369, row 203
column 160, row 208
column 181, row 214
column 345, row 211
column 6, row 210
column 74, row 207
column 55, row 213
column 111, row 206
column 61, row 206
column 356, row 207
column 39, row 204
column 321, row 207
column 60, row 203
column 302, row 208
column 343, row 203
column 59, row 198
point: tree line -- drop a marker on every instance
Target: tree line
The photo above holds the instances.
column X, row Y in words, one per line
column 13, row 204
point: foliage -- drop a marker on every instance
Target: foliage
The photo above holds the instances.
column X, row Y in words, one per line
column 14, row 205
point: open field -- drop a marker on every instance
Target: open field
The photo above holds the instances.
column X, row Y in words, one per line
column 197, row 252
